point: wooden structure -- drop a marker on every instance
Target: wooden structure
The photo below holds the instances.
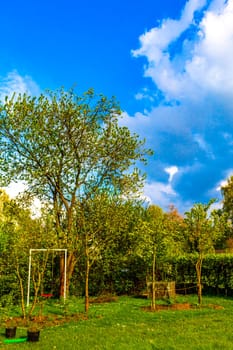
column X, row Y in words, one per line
column 163, row 289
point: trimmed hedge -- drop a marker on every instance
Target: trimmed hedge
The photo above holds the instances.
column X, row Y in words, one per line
column 217, row 273
column 128, row 276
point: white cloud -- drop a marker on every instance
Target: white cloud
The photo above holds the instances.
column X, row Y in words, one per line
column 162, row 193
column 172, row 170
column 145, row 93
column 155, row 47
column 224, row 181
column 190, row 62
column 155, row 42
column 159, row 193
column 202, row 62
column 16, row 83
column 212, row 54
column 221, row 184
column 203, row 145
column 15, row 188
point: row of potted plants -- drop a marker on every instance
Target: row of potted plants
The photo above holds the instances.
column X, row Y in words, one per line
column 33, row 331
column 10, row 323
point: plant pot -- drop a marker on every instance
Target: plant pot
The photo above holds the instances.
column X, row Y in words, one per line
column 33, row 335
column 10, row 332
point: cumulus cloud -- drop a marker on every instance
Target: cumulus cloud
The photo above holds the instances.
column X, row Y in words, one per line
column 212, row 54
column 18, row 84
column 163, row 194
column 184, row 67
column 159, row 193
column 167, row 73
column 189, row 61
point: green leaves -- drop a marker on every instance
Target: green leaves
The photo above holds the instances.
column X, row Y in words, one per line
column 67, row 141
column 227, row 192
column 203, row 228
column 69, row 149
column 68, row 146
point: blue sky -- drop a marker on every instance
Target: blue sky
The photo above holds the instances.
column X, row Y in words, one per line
column 169, row 63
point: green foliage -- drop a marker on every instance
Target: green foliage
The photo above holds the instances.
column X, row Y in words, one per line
column 151, row 237
column 227, row 192
column 69, row 149
column 118, row 275
column 203, row 231
column 68, row 146
column 217, row 272
column 21, row 233
column 202, row 228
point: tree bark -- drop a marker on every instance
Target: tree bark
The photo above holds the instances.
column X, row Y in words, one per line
column 153, row 281
column 199, row 285
column 71, row 262
column 21, row 290
column 87, row 285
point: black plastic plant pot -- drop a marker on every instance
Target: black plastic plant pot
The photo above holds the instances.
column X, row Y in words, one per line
column 10, row 332
column 33, row 335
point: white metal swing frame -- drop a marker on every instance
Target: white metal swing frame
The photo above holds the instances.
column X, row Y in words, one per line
column 30, row 265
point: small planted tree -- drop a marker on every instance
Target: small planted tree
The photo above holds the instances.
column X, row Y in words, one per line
column 203, row 229
column 104, row 221
column 152, row 241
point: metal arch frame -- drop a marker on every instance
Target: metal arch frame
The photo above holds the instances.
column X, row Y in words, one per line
column 29, row 269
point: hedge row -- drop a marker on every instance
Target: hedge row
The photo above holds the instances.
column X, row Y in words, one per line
column 128, row 276
column 217, row 273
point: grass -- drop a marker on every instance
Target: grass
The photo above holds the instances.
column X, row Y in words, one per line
column 124, row 325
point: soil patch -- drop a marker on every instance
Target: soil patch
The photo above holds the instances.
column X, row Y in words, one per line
column 182, row 306
column 103, row 299
column 213, row 306
column 48, row 320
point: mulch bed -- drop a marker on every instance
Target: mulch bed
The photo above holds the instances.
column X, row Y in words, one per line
column 181, row 306
column 55, row 320
column 184, row 306
column 103, row 299
column 48, row 320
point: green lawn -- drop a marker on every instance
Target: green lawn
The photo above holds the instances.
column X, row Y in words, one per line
column 124, row 325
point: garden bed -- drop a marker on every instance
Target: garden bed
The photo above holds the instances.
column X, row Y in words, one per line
column 50, row 320
column 181, row 306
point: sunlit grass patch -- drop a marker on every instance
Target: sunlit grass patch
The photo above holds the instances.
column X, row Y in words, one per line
column 123, row 324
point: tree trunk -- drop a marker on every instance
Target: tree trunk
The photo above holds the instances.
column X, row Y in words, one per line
column 153, row 282
column 21, row 291
column 62, row 270
column 87, row 285
column 71, row 262
column 199, row 285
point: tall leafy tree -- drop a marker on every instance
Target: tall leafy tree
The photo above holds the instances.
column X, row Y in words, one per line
column 67, row 148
